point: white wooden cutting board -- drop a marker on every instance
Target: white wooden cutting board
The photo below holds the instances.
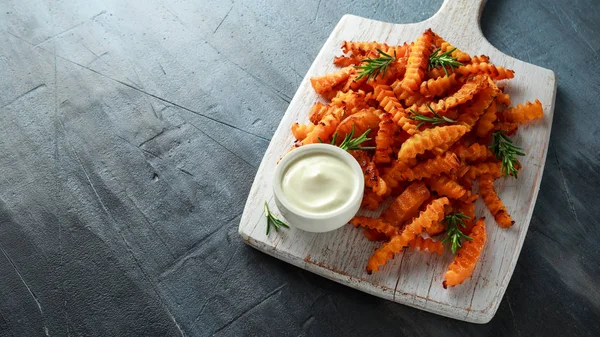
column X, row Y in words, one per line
column 413, row 278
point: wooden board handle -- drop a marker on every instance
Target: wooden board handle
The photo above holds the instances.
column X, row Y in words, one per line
column 460, row 15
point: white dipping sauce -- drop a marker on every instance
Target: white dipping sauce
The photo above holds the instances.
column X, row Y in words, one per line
column 318, row 183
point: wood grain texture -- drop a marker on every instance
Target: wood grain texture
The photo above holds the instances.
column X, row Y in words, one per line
column 413, row 278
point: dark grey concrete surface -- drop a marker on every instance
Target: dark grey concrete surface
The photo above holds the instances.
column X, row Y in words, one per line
column 130, row 132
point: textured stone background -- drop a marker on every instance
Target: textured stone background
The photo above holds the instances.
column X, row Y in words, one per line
column 130, row 133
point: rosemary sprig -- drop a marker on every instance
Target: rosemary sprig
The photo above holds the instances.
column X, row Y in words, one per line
column 373, row 67
column 273, row 221
column 443, row 60
column 435, row 120
column 504, row 149
column 350, row 144
column 453, row 220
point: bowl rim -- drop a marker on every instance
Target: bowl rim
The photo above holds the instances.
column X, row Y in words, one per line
column 304, row 150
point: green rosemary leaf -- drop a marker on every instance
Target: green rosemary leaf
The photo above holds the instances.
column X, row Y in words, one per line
column 371, row 68
column 454, row 234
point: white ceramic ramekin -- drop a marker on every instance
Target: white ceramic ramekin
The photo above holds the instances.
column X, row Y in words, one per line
column 318, row 223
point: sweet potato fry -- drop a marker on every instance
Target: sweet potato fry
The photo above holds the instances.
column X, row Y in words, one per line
column 496, row 73
column 375, row 224
column 437, row 86
column 371, row 200
column 467, row 256
column 468, row 209
column 474, row 153
column 493, row 202
column 445, row 46
column 388, row 101
column 300, row 131
column 418, row 58
column 346, row 61
column 485, row 125
column 480, row 59
column 393, row 175
column 407, row 204
column 436, row 228
column 373, row 235
column 325, row 83
column 362, row 48
column 523, row 113
column 429, row 139
column 362, row 121
column 494, row 169
column 384, row 139
column 427, row 245
column 477, row 107
column 325, row 128
column 433, row 213
column 441, row 164
column 372, row 179
column 446, row 187
column 351, row 101
column 464, row 94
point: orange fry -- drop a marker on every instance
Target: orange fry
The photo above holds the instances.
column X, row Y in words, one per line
column 373, row 235
column 445, row 47
column 360, row 121
column 507, row 128
column 438, row 72
column 392, row 175
column 468, row 209
column 464, row 94
column 361, row 48
column 524, row 113
column 409, row 126
column 372, row 179
column 433, row 213
column 345, row 61
column 418, row 59
column 412, row 99
column 504, row 99
column 440, row 164
column 400, row 52
column 325, row 83
column 496, row 73
column 319, row 110
column 485, row 125
column 480, row 59
column 446, row 187
column 384, row 139
column 325, row 128
column 467, row 256
column 388, row 101
column 478, row 106
column 438, row 86
column 407, row 204
column 474, row 153
column 301, row 130
column 436, row 228
column 375, row 224
column 429, row 139
column 427, row 245
column 371, row 200
column 352, row 101
column 493, row 202
column 492, row 168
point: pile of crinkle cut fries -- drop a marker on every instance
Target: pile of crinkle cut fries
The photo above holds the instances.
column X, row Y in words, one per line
column 439, row 122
